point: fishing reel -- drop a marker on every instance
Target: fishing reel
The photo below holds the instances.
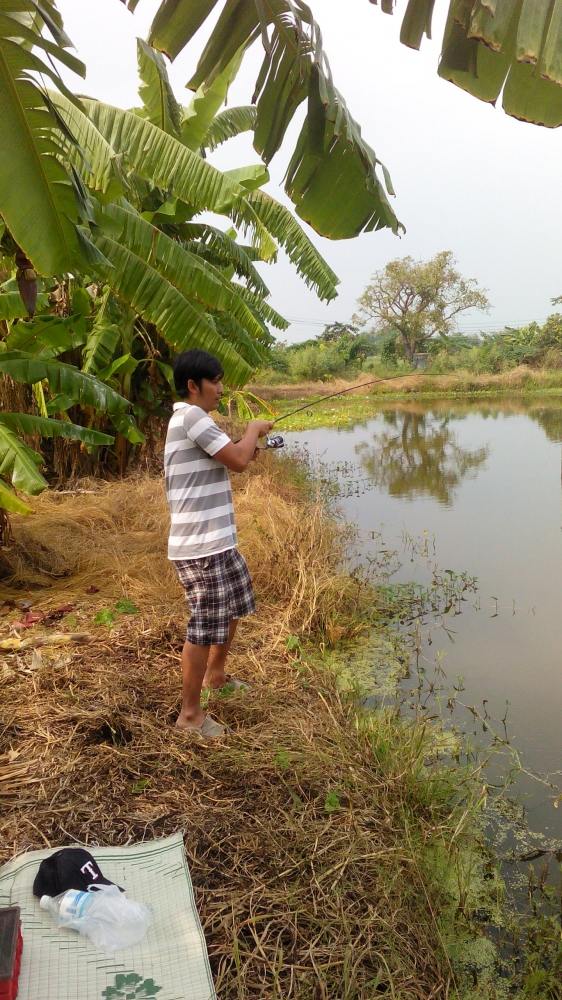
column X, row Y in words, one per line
column 274, row 441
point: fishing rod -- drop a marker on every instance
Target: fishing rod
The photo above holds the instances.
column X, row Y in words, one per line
column 277, row 441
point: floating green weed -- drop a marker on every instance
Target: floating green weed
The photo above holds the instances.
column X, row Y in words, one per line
column 358, row 407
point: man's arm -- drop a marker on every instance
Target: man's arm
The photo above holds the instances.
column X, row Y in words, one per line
column 238, row 455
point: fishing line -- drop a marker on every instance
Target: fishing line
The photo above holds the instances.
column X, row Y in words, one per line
column 276, row 440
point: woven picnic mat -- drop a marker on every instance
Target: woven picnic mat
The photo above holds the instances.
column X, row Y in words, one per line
column 171, row 962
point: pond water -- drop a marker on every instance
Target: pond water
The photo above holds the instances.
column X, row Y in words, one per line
column 473, row 487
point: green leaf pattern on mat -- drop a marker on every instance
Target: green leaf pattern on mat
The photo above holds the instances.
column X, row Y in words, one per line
column 131, row 986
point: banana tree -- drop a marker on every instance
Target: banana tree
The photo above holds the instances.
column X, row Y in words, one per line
column 42, row 205
column 330, row 152
column 177, row 274
column 493, row 47
column 85, row 154
column 41, row 202
column 29, row 356
column 201, row 127
column 145, row 184
column 120, row 194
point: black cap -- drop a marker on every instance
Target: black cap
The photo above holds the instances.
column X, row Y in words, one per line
column 69, row 868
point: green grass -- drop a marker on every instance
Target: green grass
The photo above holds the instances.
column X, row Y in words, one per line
column 346, row 409
column 352, row 409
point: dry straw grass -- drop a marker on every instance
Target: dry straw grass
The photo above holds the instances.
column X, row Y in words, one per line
column 300, row 828
column 516, row 379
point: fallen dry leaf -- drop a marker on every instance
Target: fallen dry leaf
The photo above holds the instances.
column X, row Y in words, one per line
column 56, row 613
column 29, row 619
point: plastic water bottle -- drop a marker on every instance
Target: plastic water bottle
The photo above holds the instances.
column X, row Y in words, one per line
column 107, row 917
column 70, row 907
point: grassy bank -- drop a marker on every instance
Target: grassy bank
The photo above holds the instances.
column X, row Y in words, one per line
column 332, row 855
column 409, row 396
column 522, row 380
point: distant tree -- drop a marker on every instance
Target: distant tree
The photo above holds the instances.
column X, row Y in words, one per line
column 364, row 345
column 418, row 300
column 315, row 362
column 333, row 332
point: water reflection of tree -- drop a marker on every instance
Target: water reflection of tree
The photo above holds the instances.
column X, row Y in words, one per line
column 551, row 422
column 418, row 454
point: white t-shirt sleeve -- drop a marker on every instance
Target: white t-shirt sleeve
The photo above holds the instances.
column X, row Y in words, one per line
column 202, row 429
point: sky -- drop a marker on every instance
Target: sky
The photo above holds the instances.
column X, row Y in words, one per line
column 467, row 177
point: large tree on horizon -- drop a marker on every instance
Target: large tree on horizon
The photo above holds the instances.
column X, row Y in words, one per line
column 418, row 300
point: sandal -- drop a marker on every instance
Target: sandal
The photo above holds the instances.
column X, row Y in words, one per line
column 209, row 729
column 231, row 684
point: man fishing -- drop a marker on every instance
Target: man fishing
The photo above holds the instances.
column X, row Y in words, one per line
column 202, row 541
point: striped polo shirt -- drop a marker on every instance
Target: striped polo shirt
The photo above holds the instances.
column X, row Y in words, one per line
column 197, row 486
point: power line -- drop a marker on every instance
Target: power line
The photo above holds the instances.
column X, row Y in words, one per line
column 473, row 328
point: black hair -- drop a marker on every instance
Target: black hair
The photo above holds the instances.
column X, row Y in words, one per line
column 196, row 365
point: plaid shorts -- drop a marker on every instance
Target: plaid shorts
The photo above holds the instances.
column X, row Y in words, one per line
column 218, row 588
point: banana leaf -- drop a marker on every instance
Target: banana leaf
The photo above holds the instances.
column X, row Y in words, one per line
column 125, row 365
column 156, row 94
column 63, row 378
column 262, row 309
column 199, row 236
column 37, row 196
column 194, row 278
column 48, row 336
column 182, row 323
column 100, row 348
column 127, row 426
column 416, row 23
column 12, row 306
column 122, row 129
column 90, row 153
column 26, row 423
column 228, row 124
column 168, row 164
column 103, row 339
column 176, row 22
column 294, row 71
column 310, row 264
column 252, row 352
column 19, row 463
column 10, row 502
column 251, row 178
column 199, row 116
column 511, row 48
column 51, row 17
